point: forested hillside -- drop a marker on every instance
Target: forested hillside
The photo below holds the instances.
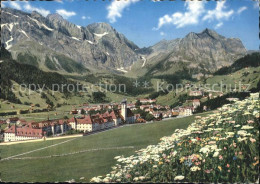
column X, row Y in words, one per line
column 27, row 74
column 250, row 60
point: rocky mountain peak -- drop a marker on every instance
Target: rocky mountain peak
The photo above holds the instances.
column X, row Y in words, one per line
column 204, row 51
column 100, row 27
column 36, row 14
column 99, row 45
column 210, row 33
column 191, row 36
column 55, row 17
column 207, row 30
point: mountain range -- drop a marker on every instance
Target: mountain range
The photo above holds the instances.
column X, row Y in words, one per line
column 55, row 44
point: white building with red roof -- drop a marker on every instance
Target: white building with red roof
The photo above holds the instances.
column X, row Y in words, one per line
column 106, row 120
column 147, row 100
column 15, row 133
column 35, row 130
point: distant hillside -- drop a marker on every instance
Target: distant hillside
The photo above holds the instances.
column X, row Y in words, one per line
column 32, row 53
column 25, row 74
column 250, row 60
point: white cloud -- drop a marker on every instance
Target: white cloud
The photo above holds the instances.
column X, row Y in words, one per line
column 162, row 33
column 65, row 14
column 219, row 25
column 15, row 5
column 84, row 17
column 42, row 11
column 59, row 1
column 218, row 13
column 3, row 4
column 256, row 4
column 240, row 10
column 194, row 10
column 116, row 8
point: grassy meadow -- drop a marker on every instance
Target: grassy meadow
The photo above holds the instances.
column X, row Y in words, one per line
column 87, row 164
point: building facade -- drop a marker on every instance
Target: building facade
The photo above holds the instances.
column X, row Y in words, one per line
column 186, row 111
column 35, row 130
column 90, row 123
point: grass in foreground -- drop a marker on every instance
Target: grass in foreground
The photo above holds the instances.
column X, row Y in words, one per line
column 87, row 164
column 220, row 148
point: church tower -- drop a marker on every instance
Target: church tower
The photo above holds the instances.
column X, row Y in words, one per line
column 124, row 109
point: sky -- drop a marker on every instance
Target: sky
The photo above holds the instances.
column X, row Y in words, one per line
column 146, row 22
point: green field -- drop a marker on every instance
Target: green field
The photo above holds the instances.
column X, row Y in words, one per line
column 87, row 164
column 244, row 76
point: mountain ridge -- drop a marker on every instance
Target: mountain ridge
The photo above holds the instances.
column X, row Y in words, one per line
column 89, row 47
column 98, row 46
column 205, row 51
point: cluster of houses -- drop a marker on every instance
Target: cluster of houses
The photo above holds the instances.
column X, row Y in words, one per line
column 21, row 130
column 89, row 123
column 157, row 110
column 114, row 114
column 99, row 107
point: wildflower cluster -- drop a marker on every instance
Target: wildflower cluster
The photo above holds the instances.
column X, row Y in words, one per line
column 222, row 147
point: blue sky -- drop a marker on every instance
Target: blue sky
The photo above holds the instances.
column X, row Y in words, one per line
column 147, row 22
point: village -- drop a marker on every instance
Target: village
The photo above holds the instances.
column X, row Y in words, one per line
column 89, row 118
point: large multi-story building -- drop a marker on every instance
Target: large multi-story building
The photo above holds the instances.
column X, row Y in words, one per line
column 35, row 130
column 15, row 133
column 186, row 111
column 90, row 123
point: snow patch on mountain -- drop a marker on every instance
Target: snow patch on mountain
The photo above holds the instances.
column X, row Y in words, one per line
column 8, row 46
column 75, row 38
column 57, row 62
column 9, row 25
column 10, row 14
column 121, row 69
column 22, row 31
column 40, row 24
column 144, row 59
column 101, row 35
column 46, row 27
column 90, row 42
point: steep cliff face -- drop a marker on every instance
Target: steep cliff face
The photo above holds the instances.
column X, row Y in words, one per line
column 95, row 45
column 115, row 49
column 199, row 52
column 208, row 48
